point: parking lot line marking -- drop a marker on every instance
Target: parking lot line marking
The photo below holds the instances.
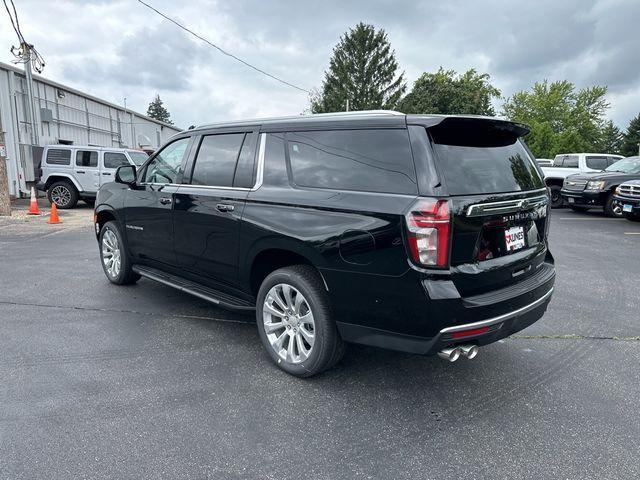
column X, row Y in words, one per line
column 579, row 218
column 632, row 233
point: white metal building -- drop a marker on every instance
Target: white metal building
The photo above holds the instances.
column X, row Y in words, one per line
column 68, row 116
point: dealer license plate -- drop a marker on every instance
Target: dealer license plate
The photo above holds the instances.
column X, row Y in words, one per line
column 627, row 208
column 514, row 238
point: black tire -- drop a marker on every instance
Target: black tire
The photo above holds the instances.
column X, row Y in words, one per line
column 611, row 210
column 63, row 193
column 125, row 275
column 328, row 347
column 579, row 209
column 556, row 198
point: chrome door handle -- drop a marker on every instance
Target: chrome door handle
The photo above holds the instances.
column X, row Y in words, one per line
column 165, row 201
column 224, row 207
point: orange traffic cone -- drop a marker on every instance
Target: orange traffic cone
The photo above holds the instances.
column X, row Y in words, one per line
column 53, row 216
column 33, row 205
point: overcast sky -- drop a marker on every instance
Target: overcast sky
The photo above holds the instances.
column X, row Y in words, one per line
column 116, row 49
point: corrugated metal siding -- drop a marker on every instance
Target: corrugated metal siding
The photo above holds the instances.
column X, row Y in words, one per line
column 76, row 118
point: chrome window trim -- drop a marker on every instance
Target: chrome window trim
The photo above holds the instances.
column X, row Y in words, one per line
column 257, row 185
column 507, row 206
column 499, row 319
column 260, row 172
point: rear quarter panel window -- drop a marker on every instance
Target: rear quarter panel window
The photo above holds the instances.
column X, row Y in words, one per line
column 361, row 160
column 58, row 156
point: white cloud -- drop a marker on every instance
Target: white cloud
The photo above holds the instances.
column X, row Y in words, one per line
column 120, row 48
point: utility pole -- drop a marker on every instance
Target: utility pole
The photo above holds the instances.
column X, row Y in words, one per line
column 26, row 55
column 5, row 201
column 133, row 141
column 347, row 107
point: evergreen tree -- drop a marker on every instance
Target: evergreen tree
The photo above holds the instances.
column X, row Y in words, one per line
column 631, row 138
column 363, row 70
column 611, row 141
column 446, row 92
column 158, row 111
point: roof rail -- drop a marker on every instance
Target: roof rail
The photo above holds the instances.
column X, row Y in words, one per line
column 353, row 113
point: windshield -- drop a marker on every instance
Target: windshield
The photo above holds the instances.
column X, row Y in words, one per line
column 138, row 157
column 483, row 159
column 626, row 165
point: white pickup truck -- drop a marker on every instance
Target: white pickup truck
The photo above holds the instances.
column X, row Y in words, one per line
column 570, row 163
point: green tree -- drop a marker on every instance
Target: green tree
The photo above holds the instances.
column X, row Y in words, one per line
column 561, row 119
column 158, row 111
column 631, row 138
column 446, row 92
column 363, row 70
column 610, row 139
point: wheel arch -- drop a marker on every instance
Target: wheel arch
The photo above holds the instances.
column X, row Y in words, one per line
column 268, row 256
column 553, row 181
column 56, row 177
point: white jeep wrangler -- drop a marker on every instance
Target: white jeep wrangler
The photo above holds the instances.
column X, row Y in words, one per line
column 69, row 173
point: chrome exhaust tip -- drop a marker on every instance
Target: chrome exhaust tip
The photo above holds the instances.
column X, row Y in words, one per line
column 469, row 351
column 450, row 354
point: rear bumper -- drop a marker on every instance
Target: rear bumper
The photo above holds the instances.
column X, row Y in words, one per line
column 498, row 328
column 585, row 198
column 426, row 321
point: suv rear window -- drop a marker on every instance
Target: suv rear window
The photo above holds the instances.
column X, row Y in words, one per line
column 58, row 156
column 476, row 158
column 364, row 160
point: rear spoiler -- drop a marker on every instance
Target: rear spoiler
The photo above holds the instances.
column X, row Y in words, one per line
column 469, row 122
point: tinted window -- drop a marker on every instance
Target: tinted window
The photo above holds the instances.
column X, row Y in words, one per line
column 275, row 168
column 597, row 163
column 165, row 166
column 570, row 161
column 216, row 160
column 483, row 160
column 114, row 160
column 86, row 158
column 244, row 170
column 365, row 160
column 612, row 160
column 59, row 157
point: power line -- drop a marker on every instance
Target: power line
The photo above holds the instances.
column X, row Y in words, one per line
column 222, row 50
column 14, row 22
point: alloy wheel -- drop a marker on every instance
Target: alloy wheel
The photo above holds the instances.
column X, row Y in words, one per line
column 61, row 195
column 288, row 323
column 111, row 253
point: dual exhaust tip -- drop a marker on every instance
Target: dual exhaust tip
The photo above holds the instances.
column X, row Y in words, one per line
column 452, row 354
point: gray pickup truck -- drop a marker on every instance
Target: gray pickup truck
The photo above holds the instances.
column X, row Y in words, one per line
column 69, row 173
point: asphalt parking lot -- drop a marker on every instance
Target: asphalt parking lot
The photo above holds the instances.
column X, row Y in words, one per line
column 102, row 381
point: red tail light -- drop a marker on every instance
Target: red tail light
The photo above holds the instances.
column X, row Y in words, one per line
column 429, row 231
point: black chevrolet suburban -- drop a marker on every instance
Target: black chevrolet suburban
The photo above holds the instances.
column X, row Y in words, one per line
column 420, row 233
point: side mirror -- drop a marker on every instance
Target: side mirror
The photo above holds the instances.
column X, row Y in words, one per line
column 126, row 174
